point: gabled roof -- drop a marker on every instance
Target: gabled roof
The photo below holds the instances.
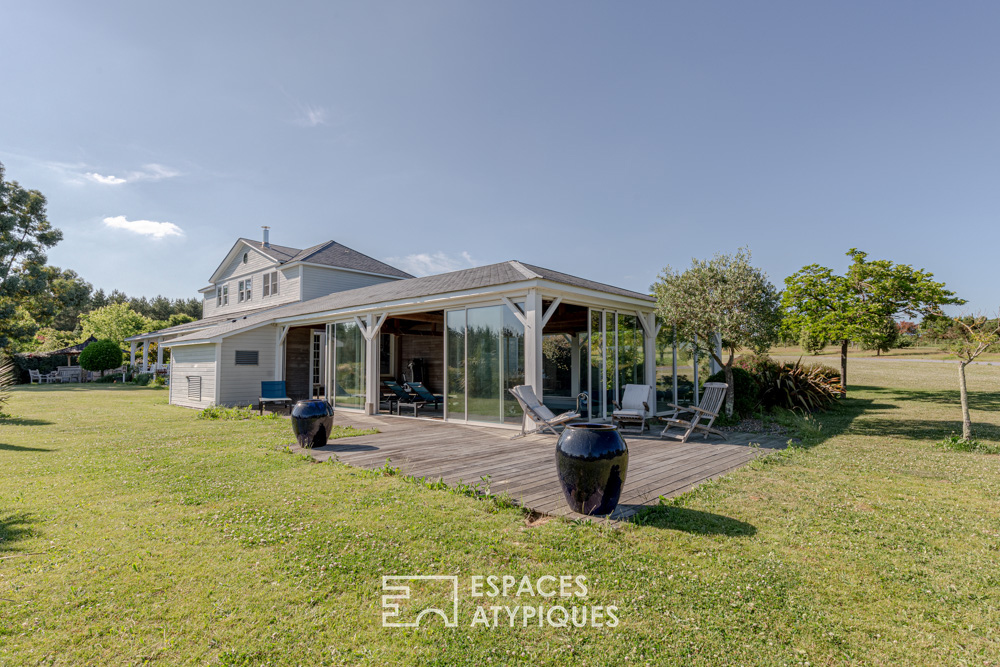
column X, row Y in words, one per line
column 329, row 253
column 413, row 288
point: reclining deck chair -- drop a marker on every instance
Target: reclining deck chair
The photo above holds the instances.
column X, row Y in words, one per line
column 273, row 391
column 425, row 394
column 403, row 398
column 708, row 408
column 543, row 418
column 637, row 405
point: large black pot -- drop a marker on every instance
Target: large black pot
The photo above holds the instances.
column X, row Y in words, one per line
column 311, row 422
column 592, row 460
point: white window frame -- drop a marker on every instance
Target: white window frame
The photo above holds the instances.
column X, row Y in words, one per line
column 218, row 297
column 265, row 289
column 274, row 283
column 225, row 295
column 239, row 289
column 249, row 287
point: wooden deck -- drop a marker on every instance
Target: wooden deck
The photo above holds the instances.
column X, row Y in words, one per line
column 525, row 468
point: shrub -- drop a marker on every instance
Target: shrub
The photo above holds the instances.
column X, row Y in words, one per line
column 34, row 362
column 142, row 379
column 108, row 379
column 758, row 365
column 956, row 443
column 101, row 355
column 746, row 395
column 799, row 387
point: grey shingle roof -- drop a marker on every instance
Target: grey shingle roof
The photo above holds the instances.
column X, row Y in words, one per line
column 202, row 323
column 412, row 288
column 332, row 253
column 329, row 253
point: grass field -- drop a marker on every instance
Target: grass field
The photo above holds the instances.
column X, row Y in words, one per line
column 830, row 355
column 132, row 532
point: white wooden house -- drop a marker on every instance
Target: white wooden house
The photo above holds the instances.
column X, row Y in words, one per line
column 342, row 323
column 257, row 276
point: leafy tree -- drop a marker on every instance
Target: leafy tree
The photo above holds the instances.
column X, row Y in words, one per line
column 857, row 305
column 48, row 339
column 71, row 294
column 724, row 296
column 811, row 342
column 25, row 235
column 101, row 355
column 115, row 322
column 881, row 337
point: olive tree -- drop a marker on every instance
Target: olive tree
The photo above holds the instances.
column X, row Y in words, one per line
column 725, row 296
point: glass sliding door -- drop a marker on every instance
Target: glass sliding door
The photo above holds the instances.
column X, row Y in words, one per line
column 485, row 358
column 455, row 365
column 348, row 366
column 482, row 363
column 631, row 352
column 512, row 364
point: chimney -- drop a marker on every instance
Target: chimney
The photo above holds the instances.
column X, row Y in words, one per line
column 267, row 238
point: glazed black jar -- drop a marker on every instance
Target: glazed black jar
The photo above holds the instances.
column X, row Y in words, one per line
column 311, row 422
column 591, row 460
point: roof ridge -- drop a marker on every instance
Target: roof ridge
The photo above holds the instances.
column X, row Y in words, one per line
column 306, row 253
column 523, row 270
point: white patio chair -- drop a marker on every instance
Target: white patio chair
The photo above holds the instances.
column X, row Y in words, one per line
column 543, row 418
column 35, row 377
column 637, row 405
column 708, row 408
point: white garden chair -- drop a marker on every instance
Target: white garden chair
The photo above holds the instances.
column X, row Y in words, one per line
column 637, row 405
column 708, row 409
column 543, row 418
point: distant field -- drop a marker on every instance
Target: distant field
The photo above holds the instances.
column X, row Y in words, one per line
column 831, row 354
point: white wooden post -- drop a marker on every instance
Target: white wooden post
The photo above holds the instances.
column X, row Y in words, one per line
column 145, row 356
column 279, row 353
column 713, row 366
column 159, row 353
column 132, row 345
column 533, row 341
column 674, row 348
column 370, row 329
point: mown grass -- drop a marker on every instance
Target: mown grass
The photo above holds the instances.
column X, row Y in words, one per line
column 132, row 532
column 830, row 354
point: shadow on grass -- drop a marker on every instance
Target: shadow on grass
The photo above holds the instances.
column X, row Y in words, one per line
column 15, row 527
column 668, row 517
column 988, row 401
column 19, row 448
column 23, row 421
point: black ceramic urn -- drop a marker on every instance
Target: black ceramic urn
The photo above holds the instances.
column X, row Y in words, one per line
column 591, row 460
column 311, row 422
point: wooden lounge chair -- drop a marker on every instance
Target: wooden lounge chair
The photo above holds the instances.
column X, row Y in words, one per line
column 273, row 391
column 637, row 405
column 424, row 394
column 35, row 377
column 708, row 408
column 543, row 418
column 403, row 397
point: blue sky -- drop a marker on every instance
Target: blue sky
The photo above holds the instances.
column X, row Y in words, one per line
column 602, row 139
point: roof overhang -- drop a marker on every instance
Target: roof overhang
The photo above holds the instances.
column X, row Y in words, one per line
column 549, row 289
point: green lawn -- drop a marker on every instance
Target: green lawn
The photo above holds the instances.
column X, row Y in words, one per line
column 830, row 354
column 132, row 532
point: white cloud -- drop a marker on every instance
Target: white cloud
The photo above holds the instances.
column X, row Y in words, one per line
column 157, row 230
column 105, row 180
column 310, row 116
column 149, row 172
column 425, row 264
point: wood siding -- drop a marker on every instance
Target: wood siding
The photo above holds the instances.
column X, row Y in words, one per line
column 241, row 384
column 318, row 281
column 192, row 361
